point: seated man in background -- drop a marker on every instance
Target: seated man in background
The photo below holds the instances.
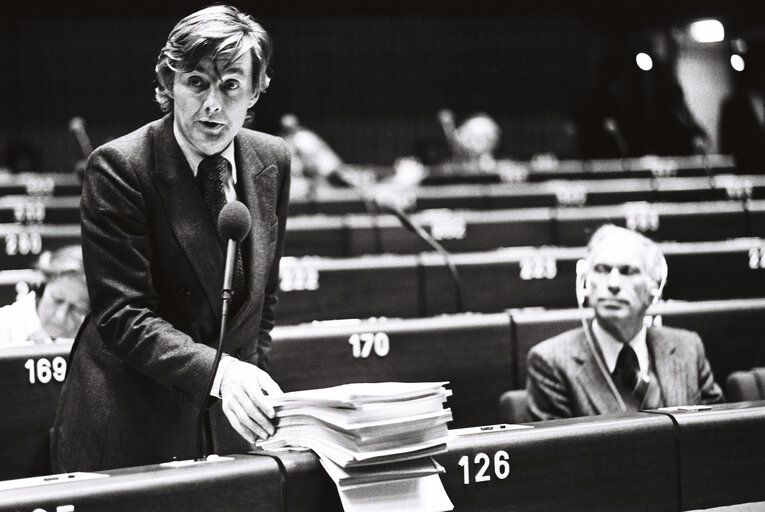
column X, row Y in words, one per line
column 55, row 308
column 615, row 363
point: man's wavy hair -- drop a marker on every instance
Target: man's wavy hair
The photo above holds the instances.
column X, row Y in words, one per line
column 220, row 32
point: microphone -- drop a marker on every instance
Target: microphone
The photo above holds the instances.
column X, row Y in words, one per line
column 446, row 120
column 234, row 224
column 77, row 127
column 611, row 127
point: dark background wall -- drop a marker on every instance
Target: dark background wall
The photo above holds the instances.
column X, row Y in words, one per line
column 369, row 82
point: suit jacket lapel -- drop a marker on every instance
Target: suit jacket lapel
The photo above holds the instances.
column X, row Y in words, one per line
column 259, row 191
column 667, row 366
column 184, row 207
column 592, row 380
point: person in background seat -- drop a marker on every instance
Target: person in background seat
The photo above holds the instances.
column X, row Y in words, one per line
column 54, row 308
column 615, row 363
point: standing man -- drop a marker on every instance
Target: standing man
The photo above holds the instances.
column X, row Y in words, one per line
column 154, row 263
column 615, row 363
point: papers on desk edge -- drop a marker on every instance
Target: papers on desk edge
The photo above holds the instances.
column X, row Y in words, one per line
column 375, row 440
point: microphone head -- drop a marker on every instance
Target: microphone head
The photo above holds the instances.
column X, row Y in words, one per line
column 76, row 123
column 234, row 221
column 609, row 125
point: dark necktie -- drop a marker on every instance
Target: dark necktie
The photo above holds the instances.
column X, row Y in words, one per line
column 213, row 172
column 627, row 378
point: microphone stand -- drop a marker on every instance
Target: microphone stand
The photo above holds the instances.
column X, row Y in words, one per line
column 414, row 228
column 226, row 295
column 425, row 236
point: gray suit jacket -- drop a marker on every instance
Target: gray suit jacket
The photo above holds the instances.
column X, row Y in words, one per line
column 140, row 364
column 564, row 379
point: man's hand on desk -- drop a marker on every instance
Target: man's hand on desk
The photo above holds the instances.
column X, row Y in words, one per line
column 245, row 405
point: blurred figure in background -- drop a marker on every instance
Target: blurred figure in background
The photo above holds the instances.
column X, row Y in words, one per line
column 311, row 155
column 638, row 106
column 314, row 162
column 742, row 113
column 474, row 142
column 55, row 308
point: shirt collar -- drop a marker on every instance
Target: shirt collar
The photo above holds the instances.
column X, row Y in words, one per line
column 611, row 347
column 193, row 157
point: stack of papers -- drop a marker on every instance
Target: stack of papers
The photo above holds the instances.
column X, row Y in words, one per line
column 375, row 440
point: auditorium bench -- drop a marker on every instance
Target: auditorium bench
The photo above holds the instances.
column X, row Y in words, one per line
column 473, row 352
column 315, row 288
column 586, row 190
column 24, row 242
column 477, row 230
column 30, row 379
column 245, row 483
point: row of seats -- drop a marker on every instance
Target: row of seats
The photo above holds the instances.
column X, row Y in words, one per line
column 672, row 460
column 481, row 355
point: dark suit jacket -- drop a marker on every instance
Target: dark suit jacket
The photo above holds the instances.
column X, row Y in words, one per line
column 565, row 381
column 140, row 364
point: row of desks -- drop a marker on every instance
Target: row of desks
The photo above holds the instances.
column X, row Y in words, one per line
column 655, row 460
column 480, row 230
column 332, row 200
column 314, row 288
column 58, row 183
column 480, row 355
column 390, row 285
column 458, row 231
column 58, row 209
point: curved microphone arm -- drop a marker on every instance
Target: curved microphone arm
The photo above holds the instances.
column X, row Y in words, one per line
column 425, row 236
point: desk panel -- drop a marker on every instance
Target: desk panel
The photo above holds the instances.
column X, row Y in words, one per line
column 30, row 379
column 471, row 351
column 249, row 482
column 681, row 222
column 722, row 455
column 715, row 270
column 317, row 235
column 40, row 209
column 457, row 231
column 24, row 243
column 608, row 463
column 322, row 288
column 492, row 281
column 583, row 189
column 756, row 216
column 40, row 184
column 496, row 280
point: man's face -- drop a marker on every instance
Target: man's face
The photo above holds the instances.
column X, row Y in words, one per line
column 210, row 109
column 63, row 306
column 620, row 287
